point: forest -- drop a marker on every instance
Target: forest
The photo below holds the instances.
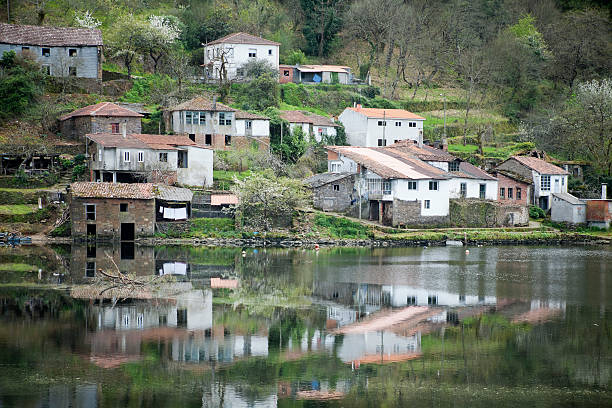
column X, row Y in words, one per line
column 511, row 71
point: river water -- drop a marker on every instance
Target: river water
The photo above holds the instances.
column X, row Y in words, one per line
column 498, row 326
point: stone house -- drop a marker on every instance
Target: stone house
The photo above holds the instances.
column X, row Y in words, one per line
column 120, row 211
column 233, row 51
column 218, row 126
column 166, row 159
column 567, row 209
column 544, row 178
column 61, row 51
column 313, row 125
column 373, row 127
column 332, row 191
column 103, row 117
column 514, row 189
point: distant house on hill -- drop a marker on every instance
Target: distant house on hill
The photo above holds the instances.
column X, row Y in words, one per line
column 373, row 127
column 62, row 51
column 328, row 74
column 231, row 52
column 218, row 126
column 312, row 125
column 545, row 178
column 103, row 117
column 169, row 159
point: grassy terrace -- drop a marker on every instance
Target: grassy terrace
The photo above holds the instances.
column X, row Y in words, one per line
column 18, row 209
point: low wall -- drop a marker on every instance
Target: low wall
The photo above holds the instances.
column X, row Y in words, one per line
column 485, row 213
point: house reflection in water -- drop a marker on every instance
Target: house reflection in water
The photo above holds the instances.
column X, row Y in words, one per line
column 86, row 260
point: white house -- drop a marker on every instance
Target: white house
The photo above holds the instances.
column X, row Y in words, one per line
column 219, row 126
column 169, row 159
column 370, row 127
column 313, row 125
column 61, row 51
column 231, row 52
column 546, row 178
column 399, row 189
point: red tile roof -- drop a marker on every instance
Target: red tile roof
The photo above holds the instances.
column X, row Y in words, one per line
column 200, row 103
column 306, row 117
column 248, row 115
column 377, row 113
column 539, row 165
column 142, row 141
column 324, row 68
column 103, row 109
column 424, row 152
column 137, row 191
column 49, row 36
column 242, row 38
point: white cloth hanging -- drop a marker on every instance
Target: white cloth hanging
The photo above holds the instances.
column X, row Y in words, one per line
column 180, row 213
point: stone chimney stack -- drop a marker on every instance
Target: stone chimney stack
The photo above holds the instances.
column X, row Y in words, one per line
column 604, row 191
column 124, row 129
column 214, row 103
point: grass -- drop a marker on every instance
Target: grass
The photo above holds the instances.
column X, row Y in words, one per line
column 491, row 151
column 18, row 209
column 341, row 228
column 17, row 267
column 206, row 228
column 436, row 118
column 286, row 106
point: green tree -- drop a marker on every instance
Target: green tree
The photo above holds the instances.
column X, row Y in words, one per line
column 322, row 21
column 125, row 40
column 296, row 57
column 256, row 68
column 260, row 93
column 266, row 199
column 21, row 83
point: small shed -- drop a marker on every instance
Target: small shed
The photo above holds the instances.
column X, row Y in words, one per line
column 332, row 191
column 567, row 208
column 599, row 213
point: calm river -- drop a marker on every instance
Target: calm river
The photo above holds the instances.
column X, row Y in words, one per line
column 500, row 326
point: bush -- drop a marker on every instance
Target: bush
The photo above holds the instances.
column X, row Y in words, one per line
column 536, row 212
column 342, row 228
column 63, row 230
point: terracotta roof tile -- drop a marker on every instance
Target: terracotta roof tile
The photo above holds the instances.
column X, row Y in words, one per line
column 137, row 191
column 142, row 141
column 306, row 117
column 468, row 170
column 425, row 152
column 242, row 38
column 49, row 36
column 200, row 103
column 248, row 115
column 539, row 165
column 377, row 113
column 102, row 109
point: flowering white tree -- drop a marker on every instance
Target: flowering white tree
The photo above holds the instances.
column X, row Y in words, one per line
column 86, row 20
column 162, row 33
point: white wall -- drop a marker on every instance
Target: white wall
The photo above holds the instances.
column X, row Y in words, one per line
column 473, row 188
column 364, row 131
column 438, row 199
column 239, row 55
column 259, row 128
column 561, row 183
column 210, row 127
column 331, row 131
column 400, row 294
column 200, row 167
column 562, row 211
column 355, row 126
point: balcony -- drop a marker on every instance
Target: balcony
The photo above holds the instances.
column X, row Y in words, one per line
column 379, row 189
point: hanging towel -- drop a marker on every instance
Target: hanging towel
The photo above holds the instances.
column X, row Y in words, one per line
column 169, row 213
column 161, row 210
column 180, row 213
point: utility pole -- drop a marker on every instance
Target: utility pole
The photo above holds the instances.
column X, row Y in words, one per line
column 444, row 133
column 384, row 142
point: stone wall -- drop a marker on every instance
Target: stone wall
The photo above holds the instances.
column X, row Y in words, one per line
column 142, row 263
column 109, row 218
column 76, row 128
column 178, row 228
column 327, row 199
column 237, row 142
column 484, row 213
column 516, row 167
column 408, row 214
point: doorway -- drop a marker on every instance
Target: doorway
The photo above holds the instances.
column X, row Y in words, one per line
column 127, row 231
column 91, row 231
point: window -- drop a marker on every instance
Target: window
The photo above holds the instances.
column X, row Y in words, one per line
column 269, row 52
column 46, row 52
column 432, row 300
column 225, row 119
column 433, row 185
column 140, row 157
column 182, row 162
column 483, row 191
column 334, row 167
column 336, row 187
column 240, row 72
column 72, row 52
column 398, row 124
column 188, row 116
column 427, row 204
column 382, row 142
column 228, row 140
column 518, row 193
column 91, row 251
column 163, row 157
column 412, row 124
column 126, row 156
column 25, row 48
column 90, row 269
column 510, row 193
column 562, row 181
column 100, row 154
column 412, row 185
column 46, row 69
column 123, row 207
column 248, row 124
column 461, row 298
column 502, row 192
column 252, row 53
column 411, row 301
column 208, row 140
column 453, row 166
column 192, row 137
column 72, row 71
column 285, row 72
column 202, row 118
column 545, row 183
column 114, row 128
column 463, row 190
column 90, row 212
column 382, row 123
column 386, row 187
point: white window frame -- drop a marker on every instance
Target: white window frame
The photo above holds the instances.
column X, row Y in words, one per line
column 165, row 155
column 252, row 52
column 413, row 185
column 141, row 157
column 545, row 182
column 382, row 123
column 434, row 186
column 334, row 167
column 248, row 124
column 126, row 156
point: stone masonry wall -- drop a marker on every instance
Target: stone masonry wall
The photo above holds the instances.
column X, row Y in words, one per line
column 142, row 264
column 109, row 218
column 484, row 213
column 408, row 213
column 77, row 128
column 516, row 167
column 237, row 142
column 327, row 199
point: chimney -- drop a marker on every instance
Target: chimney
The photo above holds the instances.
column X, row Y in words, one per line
column 420, row 139
column 604, row 191
column 358, row 106
column 354, row 104
column 124, row 129
column 445, row 145
column 214, row 103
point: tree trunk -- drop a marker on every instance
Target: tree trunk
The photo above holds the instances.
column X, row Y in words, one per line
column 467, row 108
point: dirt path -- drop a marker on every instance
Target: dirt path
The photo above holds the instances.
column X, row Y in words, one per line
column 385, row 320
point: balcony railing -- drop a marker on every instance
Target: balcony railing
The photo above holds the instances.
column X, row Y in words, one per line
column 378, row 187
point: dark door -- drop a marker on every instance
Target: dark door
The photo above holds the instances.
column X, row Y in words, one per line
column 127, row 231
column 91, row 231
column 374, row 210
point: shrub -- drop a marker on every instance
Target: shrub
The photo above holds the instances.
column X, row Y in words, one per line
column 536, row 212
column 342, row 228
